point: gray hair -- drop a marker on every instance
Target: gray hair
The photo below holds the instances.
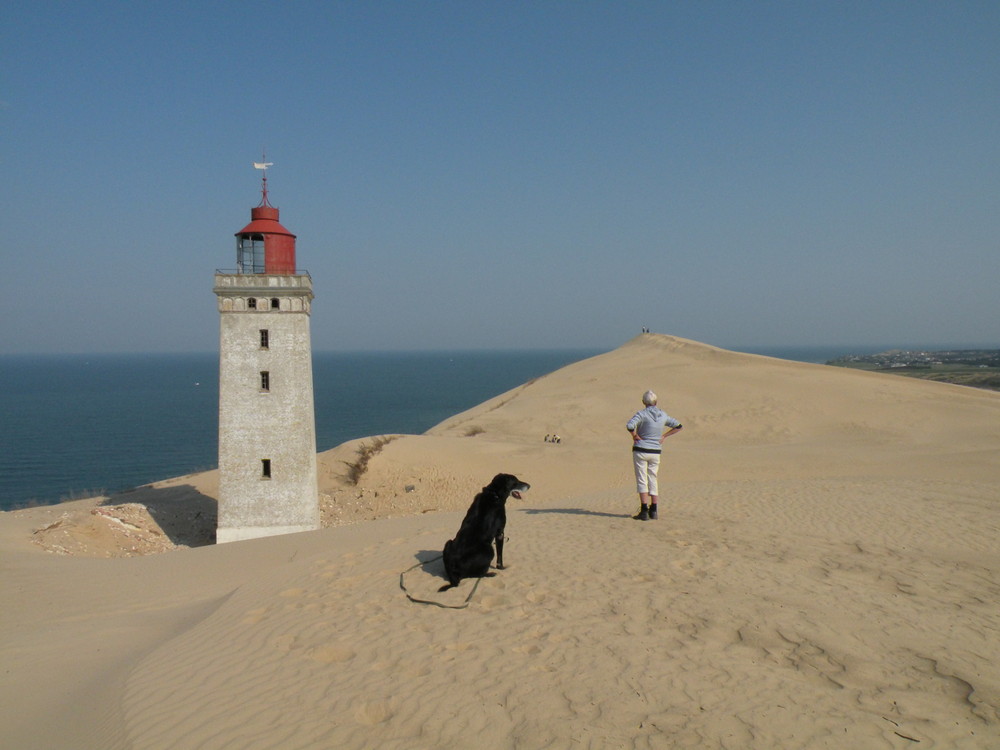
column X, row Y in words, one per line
column 649, row 398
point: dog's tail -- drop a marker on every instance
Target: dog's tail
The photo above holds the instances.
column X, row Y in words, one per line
column 446, row 559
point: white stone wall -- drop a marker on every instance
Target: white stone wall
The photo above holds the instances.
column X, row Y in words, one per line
column 277, row 424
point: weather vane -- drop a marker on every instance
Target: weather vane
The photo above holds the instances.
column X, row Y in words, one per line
column 262, row 165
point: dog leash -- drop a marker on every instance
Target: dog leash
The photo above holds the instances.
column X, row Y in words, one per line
column 414, row 599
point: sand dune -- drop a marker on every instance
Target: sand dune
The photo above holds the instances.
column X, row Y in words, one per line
column 825, row 573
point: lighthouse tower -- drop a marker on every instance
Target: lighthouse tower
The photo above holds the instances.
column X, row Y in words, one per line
column 267, row 426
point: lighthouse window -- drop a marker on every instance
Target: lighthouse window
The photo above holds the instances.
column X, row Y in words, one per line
column 265, row 468
column 265, row 380
column 275, row 303
column 264, row 338
column 252, row 304
column 250, row 253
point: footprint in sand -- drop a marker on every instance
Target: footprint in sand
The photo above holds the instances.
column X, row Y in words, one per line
column 415, row 672
column 254, row 616
column 530, row 650
column 370, row 714
column 330, row 654
column 285, row 642
column 492, row 602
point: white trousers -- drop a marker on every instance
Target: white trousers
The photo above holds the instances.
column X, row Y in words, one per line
column 646, row 467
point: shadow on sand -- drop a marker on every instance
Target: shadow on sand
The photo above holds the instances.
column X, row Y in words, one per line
column 430, row 560
column 186, row 516
column 572, row 511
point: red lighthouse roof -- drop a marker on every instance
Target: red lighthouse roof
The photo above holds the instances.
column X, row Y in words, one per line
column 264, row 220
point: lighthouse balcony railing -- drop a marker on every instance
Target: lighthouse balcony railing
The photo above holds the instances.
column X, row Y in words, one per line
column 233, row 279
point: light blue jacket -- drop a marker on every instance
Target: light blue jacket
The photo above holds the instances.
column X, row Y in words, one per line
column 649, row 424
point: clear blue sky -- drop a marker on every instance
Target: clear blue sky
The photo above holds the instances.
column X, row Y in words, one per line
column 506, row 174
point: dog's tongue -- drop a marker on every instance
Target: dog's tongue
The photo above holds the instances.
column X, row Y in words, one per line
column 516, row 494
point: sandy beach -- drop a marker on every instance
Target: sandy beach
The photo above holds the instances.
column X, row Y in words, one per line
column 825, row 573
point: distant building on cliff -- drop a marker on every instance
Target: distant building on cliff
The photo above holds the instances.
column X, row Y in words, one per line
column 267, row 425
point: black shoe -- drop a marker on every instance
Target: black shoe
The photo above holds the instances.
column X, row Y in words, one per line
column 643, row 514
column 652, row 512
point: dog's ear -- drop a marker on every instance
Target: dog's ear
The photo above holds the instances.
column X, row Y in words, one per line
column 500, row 482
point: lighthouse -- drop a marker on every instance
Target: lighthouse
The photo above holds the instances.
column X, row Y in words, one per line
column 267, row 425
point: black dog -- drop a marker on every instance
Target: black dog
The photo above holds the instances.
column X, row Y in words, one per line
column 470, row 553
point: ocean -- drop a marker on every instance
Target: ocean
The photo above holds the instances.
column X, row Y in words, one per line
column 76, row 425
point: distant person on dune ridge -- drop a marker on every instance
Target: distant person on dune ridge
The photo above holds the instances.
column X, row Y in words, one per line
column 648, row 433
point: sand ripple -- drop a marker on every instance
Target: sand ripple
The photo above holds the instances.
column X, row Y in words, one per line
column 605, row 632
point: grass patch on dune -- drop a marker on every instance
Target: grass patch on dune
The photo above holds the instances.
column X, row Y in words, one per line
column 357, row 468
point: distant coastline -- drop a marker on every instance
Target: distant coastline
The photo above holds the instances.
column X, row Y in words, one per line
column 977, row 368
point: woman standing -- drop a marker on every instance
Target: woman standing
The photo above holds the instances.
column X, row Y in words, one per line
column 648, row 433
